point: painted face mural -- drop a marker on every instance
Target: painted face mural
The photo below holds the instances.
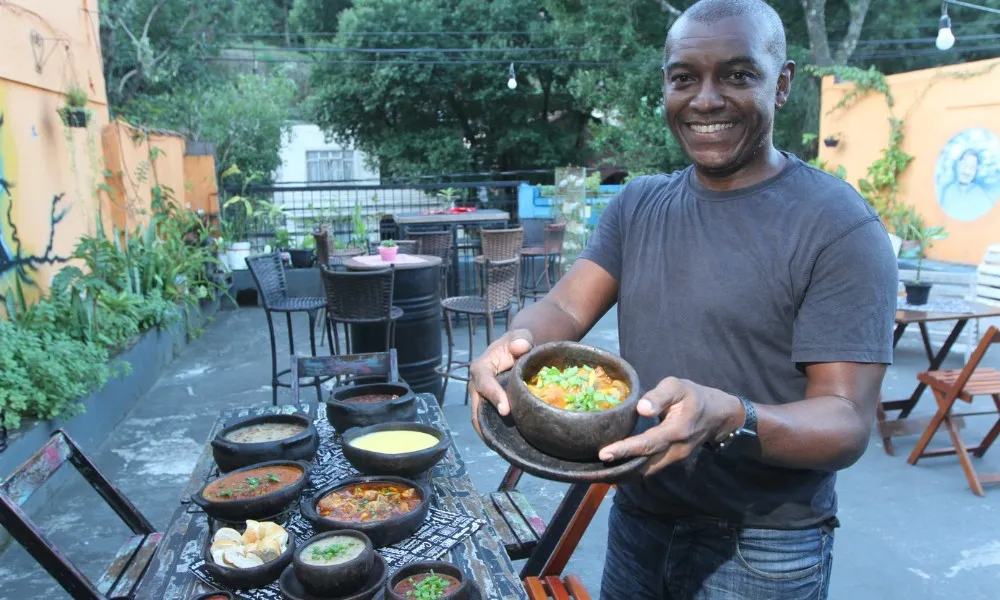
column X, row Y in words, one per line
column 967, row 177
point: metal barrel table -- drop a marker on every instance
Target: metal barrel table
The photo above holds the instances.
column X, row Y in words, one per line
column 416, row 290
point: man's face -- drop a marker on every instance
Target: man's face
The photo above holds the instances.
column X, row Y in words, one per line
column 967, row 167
column 721, row 87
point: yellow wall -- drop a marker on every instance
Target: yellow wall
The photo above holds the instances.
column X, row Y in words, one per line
column 53, row 189
column 936, row 105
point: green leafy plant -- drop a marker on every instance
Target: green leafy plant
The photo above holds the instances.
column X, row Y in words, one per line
column 925, row 238
column 388, row 243
column 76, row 97
column 431, row 587
column 282, row 239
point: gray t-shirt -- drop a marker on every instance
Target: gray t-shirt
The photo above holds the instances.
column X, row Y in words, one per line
column 738, row 291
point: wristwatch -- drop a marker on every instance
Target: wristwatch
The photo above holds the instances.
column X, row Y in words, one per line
column 743, row 441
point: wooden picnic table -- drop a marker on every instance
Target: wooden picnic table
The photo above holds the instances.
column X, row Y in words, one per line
column 480, row 555
column 902, row 425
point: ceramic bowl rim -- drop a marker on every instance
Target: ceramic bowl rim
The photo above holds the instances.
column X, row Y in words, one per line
column 305, row 434
column 403, row 398
column 425, row 499
column 200, row 499
column 424, row 566
column 297, row 556
column 349, row 435
column 603, row 356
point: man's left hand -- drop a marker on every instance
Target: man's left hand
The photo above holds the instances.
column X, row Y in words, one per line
column 691, row 415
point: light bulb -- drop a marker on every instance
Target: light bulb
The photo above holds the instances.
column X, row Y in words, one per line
column 945, row 38
column 512, row 83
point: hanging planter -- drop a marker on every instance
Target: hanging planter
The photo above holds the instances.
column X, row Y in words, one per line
column 75, row 114
column 831, row 141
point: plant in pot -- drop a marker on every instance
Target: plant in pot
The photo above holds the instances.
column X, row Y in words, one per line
column 918, row 291
column 75, row 113
column 302, row 257
column 387, row 250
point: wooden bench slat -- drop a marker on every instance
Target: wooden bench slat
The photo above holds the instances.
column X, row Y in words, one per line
column 576, row 588
column 536, row 591
column 510, row 541
column 37, row 469
column 514, row 518
column 133, row 573
column 121, row 561
column 531, row 517
column 556, row 588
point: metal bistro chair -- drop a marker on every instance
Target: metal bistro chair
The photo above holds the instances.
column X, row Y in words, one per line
column 269, row 276
column 360, row 298
column 129, row 564
column 501, row 279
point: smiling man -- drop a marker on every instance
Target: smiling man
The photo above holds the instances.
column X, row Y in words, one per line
column 755, row 298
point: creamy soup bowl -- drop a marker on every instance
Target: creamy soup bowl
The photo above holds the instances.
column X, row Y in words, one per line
column 338, row 575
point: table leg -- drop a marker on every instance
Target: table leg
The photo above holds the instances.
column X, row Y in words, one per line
column 935, row 364
column 549, row 540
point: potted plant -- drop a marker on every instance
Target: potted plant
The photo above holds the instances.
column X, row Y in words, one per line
column 831, row 141
column 387, row 250
column 918, row 291
column 75, row 113
column 302, row 257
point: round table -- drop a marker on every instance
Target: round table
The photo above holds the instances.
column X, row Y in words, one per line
column 416, row 290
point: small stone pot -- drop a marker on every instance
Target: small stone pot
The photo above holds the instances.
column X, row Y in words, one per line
column 258, row 507
column 403, row 465
column 566, row 434
column 418, row 568
column 231, row 455
column 334, row 580
column 344, row 414
column 252, row 577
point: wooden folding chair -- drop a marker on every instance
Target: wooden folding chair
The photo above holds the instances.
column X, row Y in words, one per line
column 380, row 365
column 129, row 564
column 964, row 384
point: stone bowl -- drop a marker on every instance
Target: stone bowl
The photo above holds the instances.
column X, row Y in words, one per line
column 292, row 589
column 253, row 577
column 231, row 455
column 402, row 465
column 259, row 507
column 216, row 595
column 567, row 434
column 382, row 533
column 418, row 568
column 335, row 580
column 344, row 413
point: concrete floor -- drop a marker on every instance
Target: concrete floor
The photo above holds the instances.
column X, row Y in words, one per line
column 911, row 532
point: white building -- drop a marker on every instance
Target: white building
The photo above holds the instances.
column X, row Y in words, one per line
column 308, row 157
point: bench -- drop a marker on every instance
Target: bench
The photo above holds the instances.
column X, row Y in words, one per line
column 131, row 560
column 567, row 588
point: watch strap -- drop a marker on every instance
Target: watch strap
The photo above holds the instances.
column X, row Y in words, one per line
column 750, row 422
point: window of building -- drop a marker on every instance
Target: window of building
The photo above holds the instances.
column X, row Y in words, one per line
column 329, row 165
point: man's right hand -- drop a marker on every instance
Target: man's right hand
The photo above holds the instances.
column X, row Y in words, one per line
column 499, row 357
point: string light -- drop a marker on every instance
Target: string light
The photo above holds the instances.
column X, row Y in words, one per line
column 512, row 82
column 945, row 38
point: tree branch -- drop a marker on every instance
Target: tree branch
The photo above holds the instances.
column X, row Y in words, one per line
column 815, row 13
column 670, row 8
column 859, row 9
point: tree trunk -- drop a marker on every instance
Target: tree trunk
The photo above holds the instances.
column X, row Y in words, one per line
column 819, row 40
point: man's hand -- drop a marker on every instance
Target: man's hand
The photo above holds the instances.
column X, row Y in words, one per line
column 691, row 414
column 499, row 357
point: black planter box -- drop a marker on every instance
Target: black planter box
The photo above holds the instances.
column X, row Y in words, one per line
column 74, row 117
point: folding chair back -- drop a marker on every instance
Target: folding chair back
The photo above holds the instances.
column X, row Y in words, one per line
column 951, row 385
column 131, row 560
column 371, row 365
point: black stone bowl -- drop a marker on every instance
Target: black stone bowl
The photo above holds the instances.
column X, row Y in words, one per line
column 214, row 595
column 334, row 580
column 567, row 434
column 234, row 455
column 401, row 465
column 344, row 414
column 292, row 588
column 417, row 568
column 253, row 577
column 258, row 507
column 382, row 533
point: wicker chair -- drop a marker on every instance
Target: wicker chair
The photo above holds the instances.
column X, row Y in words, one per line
column 327, row 255
column 439, row 244
column 360, row 297
column 501, row 285
column 550, row 251
column 497, row 245
column 269, row 276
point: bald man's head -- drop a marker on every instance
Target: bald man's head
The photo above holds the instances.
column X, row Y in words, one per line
column 713, row 11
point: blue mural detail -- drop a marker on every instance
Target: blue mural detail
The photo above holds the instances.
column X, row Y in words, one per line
column 967, row 177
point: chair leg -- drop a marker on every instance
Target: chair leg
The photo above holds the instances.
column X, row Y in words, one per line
column 312, row 346
column 943, row 409
column 451, row 345
column 329, row 334
column 963, row 457
column 992, row 435
column 489, row 331
column 274, row 360
column 291, row 335
column 472, row 353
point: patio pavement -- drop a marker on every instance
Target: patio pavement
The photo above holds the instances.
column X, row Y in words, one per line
column 908, row 532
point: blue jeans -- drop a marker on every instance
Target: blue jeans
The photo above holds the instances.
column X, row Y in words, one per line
column 708, row 559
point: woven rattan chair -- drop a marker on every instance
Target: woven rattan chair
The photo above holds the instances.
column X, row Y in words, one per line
column 360, row 297
column 550, row 251
column 269, row 276
column 501, row 286
column 439, row 244
column 497, row 245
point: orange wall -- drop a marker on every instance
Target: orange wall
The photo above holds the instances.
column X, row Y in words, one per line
column 201, row 191
column 935, row 106
column 50, row 171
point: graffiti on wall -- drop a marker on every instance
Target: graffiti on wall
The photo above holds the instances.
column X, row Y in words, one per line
column 20, row 258
column 967, row 178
